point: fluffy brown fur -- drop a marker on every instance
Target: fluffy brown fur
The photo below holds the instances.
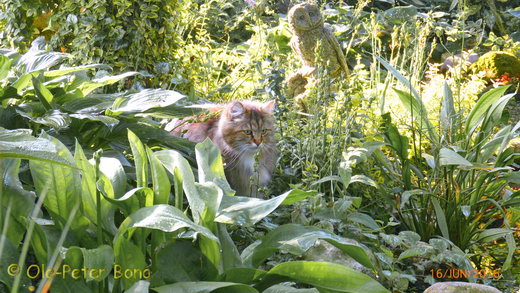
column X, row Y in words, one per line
column 242, row 130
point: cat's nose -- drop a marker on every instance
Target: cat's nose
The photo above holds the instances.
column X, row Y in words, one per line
column 257, row 141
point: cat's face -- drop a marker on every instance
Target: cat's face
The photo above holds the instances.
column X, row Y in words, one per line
column 248, row 126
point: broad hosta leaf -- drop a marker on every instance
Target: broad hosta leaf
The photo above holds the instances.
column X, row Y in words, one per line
column 322, row 275
column 139, row 287
column 89, row 86
column 88, row 192
column 141, row 163
column 449, row 157
column 108, row 121
column 297, row 239
column 484, row 103
column 205, row 287
column 14, row 198
column 171, row 111
column 88, row 105
column 160, row 181
column 248, row 210
column 64, row 185
column 9, row 255
column 113, row 170
column 20, row 144
column 52, row 118
column 146, row 99
column 296, row 195
column 148, row 133
column 173, row 161
column 5, row 64
column 158, row 217
column 35, row 60
column 100, row 259
column 67, row 70
column 180, row 261
column 209, row 163
column 401, row 14
column 128, row 256
column 287, row 289
column 243, row 275
column 43, row 94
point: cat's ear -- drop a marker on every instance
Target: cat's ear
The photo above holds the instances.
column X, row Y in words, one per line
column 236, row 109
column 268, row 107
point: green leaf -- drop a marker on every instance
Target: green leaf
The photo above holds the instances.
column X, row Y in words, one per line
column 400, row 15
column 67, row 70
column 287, row 289
column 43, row 94
column 392, row 136
column 441, row 218
column 296, row 195
column 88, row 192
column 448, row 116
column 172, row 161
column 64, row 186
column 416, row 108
column 180, row 261
column 449, row 157
column 363, row 219
column 243, row 275
column 9, row 256
column 476, row 115
column 128, row 257
column 15, row 198
column 5, row 65
column 246, row 210
column 493, row 234
column 140, row 160
column 20, row 144
column 139, row 287
column 297, row 239
column 161, row 183
column 322, row 275
column 98, row 261
column 205, row 287
column 210, row 166
column 108, row 121
column 113, row 170
column 146, row 99
column 35, row 60
column 171, row 111
column 89, row 86
column 160, row 217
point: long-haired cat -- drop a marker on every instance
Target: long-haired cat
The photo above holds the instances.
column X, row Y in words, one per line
column 242, row 130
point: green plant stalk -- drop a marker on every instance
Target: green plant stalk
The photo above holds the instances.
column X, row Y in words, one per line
column 177, row 184
column 27, row 238
column 99, row 226
column 6, row 224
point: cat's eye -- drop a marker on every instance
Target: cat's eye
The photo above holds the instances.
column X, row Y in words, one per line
column 264, row 131
column 301, row 17
column 248, row 132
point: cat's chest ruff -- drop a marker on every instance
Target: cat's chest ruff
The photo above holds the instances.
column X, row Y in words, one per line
column 247, row 163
